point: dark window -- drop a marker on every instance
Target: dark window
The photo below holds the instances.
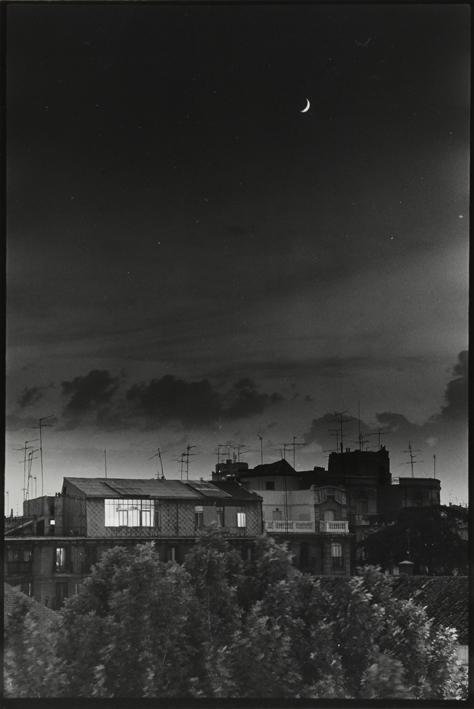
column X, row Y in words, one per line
column 336, row 555
column 61, row 593
column 220, row 516
column 19, row 560
column 199, row 517
column 269, row 485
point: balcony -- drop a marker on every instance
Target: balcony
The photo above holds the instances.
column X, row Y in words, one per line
column 290, row 526
column 336, row 527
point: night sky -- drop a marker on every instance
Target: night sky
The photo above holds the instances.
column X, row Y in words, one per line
column 193, row 260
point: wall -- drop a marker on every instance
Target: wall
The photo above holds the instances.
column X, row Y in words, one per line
column 176, row 519
column 73, row 511
column 299, row 504
column 281, row 482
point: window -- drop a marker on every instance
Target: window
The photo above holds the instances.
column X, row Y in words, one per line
column 329, row 515
column 321, row 495
column 129, row 513
column 241, row 519
column 61, row 593
column 199, row 517
column 220, row 516
column 60, row 561
column 277, row 514
column 270, row 485
column 336, row 555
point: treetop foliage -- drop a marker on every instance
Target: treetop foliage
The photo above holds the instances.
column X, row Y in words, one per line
column 219, row 626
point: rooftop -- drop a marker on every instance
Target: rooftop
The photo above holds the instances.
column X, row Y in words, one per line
column 151, row 487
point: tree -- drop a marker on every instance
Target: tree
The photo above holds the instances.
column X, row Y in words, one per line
column 142, row 628
column 134, row 640
column 215, row 571
column 31, row 666
column 428, row 536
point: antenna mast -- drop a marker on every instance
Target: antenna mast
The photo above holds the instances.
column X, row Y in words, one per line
column 186, row 457
column 339, row 416
column 411, row 451
column 158, row 455
column 261, row 448
column 294, row 444
column 43, row 423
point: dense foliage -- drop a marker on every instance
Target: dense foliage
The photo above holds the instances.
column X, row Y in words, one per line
column 428, row 536
column 221, row 627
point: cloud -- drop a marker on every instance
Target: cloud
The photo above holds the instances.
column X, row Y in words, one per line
column 29, row 396
column 244, row 400
column 172, row 398
column 397, row 426
column 87, row 393
column 325, row 432
column 14, row 422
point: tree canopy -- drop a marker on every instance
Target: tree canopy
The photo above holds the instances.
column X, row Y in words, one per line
column 427, row 536
column 219, row 626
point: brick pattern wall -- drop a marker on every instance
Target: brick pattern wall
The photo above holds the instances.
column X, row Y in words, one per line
column 74, row 512
column 175, row 519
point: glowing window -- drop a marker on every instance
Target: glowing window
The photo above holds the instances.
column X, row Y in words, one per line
column 241, row 519
column 129, row 513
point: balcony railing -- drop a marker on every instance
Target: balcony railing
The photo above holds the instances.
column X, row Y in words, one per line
column 336, row 527
column 290, row 525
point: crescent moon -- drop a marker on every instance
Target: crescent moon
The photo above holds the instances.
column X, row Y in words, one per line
column 306, row 108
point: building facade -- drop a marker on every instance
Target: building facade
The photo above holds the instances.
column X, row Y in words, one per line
column 50, row 554
column 322, row 514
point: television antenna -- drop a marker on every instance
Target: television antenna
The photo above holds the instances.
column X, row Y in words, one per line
column 185, row 457
column 43, row 422
column 339, row 417
column 25, row 448
column 294, row 445
column 412, row 453
column 158, row 455
column 261, row 448
column 31, row 458
column 380, row 432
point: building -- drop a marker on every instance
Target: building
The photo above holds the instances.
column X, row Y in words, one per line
column 312, row 517
column 325, row 514
column 50, row 553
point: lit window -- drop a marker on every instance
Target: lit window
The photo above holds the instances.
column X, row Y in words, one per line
column 129, row 513
column 60, row 562
column 241, row 519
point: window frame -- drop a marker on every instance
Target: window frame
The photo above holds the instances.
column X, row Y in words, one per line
column 130, row 512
